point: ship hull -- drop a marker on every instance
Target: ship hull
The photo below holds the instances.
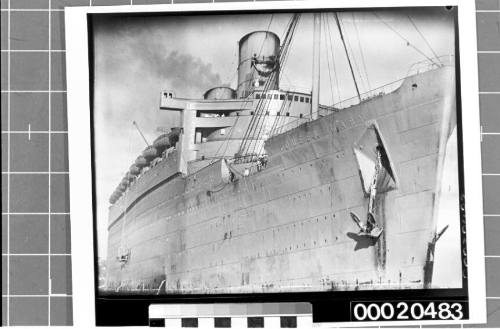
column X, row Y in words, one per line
column 288, row 227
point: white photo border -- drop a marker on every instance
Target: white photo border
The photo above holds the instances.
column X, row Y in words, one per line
column 79, row 141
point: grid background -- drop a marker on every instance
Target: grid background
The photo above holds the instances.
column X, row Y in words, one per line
column 36, row 250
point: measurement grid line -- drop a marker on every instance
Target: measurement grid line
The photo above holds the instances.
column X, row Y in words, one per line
column 49, row 269
column 35, row 172
column 8, row 132
column 44, row 254
column 8, row 213
column 41, row 295
column 32, row 91
column 30, row 9
column 34, row 50
column 34, row 132
column 35, row 213
column 8, row 162
column 492, row 257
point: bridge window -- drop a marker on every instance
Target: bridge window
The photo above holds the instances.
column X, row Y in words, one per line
column 296, row 98
column 257, row 96
column 251, row 113
column 307, row 99
column 302, row 99
column 290, row 98
column 276, row 96
column 301, row 115
column 282, row 97
column 269, row 96
column 287, row 114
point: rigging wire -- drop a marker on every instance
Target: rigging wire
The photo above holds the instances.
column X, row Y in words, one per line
column 402, row 37
column 283, row 56
column 347, row 54
column 287, row 45
column 225, row 143
column 278, row 115
column 251, row 131
column 361, row 52
column 266, row 89
column 353, row 56
column 333, row 59
column 425, row 40
column 267, row 31
column 323, row 21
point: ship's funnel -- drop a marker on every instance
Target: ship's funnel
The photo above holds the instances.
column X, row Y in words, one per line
column 258, row 62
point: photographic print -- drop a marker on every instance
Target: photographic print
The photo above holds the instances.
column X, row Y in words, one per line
column 278, row 155
column 244, row 153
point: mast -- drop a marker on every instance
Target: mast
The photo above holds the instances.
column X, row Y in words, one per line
column 316, row 67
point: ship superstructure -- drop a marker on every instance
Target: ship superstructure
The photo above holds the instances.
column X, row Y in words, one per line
column 257, row 191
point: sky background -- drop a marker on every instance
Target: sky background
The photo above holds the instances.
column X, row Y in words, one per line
column 138, row 57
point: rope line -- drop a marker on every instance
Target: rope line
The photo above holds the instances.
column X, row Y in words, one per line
column 253, row 131
column 323, row 21
column 347, row 54
column 423, row 37
column 333, row 61
column 353, row 56
column 402, row 37
column 361, row 52
column 283, row 59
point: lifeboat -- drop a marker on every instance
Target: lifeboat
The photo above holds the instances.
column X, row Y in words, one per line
column 125, row 181
column 123, row 185
column 150, row 153
column 162, row 142
column 141, row 162
column 174, row 135
column 121, row 188
column 134, row 170
column 115, row 196
column 130, row 176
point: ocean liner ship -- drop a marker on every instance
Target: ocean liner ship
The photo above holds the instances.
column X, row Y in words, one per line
column 263, row 190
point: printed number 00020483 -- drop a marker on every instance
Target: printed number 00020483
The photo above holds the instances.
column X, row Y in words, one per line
column 401, row 311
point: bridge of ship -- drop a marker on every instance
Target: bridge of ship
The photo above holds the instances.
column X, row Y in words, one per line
column 215, row 128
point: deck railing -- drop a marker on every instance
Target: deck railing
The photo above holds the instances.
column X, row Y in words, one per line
column 416, row 68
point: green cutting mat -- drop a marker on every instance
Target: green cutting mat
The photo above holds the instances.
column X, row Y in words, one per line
column 36, row 252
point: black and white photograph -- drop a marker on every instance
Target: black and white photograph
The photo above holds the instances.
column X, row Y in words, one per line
column 271, row 153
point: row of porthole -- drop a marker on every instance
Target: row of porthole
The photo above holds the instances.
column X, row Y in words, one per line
column 228, row 235
column 290, row 248
column 255, row 188
column 268, row 254
column 274, row 252
column 294, row 198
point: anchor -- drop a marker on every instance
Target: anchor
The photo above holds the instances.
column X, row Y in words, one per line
column 371, row 228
